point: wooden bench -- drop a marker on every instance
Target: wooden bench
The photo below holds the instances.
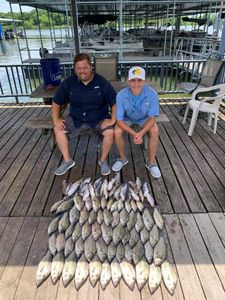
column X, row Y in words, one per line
column 47, row 126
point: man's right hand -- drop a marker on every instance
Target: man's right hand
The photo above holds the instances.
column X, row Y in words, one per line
column 60, row 124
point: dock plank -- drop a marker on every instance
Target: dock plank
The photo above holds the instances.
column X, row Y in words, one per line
column 207, row 274
column 218, row 220
column 206, row 171
column 13, row 270
column 6, row 245
column 87, row 292
column 26, row 289
column 214, row 244
column 110, row 292
column 191, row 288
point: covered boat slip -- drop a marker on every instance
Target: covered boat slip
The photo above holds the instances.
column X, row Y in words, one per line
column 191, row 195
column 129, row 28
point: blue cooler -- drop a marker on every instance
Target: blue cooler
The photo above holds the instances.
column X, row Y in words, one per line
column 51, row 71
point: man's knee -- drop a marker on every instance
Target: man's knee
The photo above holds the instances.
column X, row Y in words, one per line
column 109, row 133
column 118, row 132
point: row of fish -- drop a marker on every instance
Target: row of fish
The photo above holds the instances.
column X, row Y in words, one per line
column 79, row 270
column 107, row 230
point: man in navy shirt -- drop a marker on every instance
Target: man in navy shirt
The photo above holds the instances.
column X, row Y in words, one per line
column 90, row 97
column 137, row 104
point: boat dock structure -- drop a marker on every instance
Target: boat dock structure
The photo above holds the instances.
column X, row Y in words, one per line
column 190, row 195
column 179, row 43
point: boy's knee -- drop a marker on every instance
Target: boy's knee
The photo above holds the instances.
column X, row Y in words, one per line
column 154, row 130
column 108, row 133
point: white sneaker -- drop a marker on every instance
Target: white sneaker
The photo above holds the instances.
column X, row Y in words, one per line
column 117, row 166
column 154, row 170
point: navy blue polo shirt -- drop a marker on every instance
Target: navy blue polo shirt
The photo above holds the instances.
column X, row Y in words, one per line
column 88, row 103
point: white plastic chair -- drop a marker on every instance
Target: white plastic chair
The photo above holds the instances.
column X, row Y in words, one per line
column 209, row 104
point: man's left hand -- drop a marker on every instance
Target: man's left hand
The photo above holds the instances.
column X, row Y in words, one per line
column 106, row 123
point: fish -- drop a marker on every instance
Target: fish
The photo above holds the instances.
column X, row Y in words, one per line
column 111, row 251
column 114, row 206
column 169, row 276
column 44, row 268
column 147, row 194
column 81, row 273
column 133, row 205
column 92, row 217
column 66, row 205
column 103, row 203
column 120, row 252
column 116, row 219
column 53, row 226
column 139, row 223
column 126, row 236
column 140, row 206
column 138, row 252
column 69, row 231
column 128, row 273
column 104, row 189
column 85, row 230
column 96, row 203
column 142, row 273
column 155, row 277
column 107, row 217
column 111, row 183
column 158, row 218
column 96, row 230
column 118, row 234
column 107, row 233
column 120, row 205
column 138, row 183
column 147, row 219
column 79, row 247
column 144, row 235
column 159, row 253
column 69, row 247
column 73, row 188
column 95, row 268
column 57, row 267
column 154, row 236
column 128, row 254
column 124, row 217
column 132, row 220
column 52, row 243
column 105, row 274
column 76, row 233
column 64, row 222
column 91, row 190
column 56, row 205
column 100, row 217
column 109, row 204
column 134, row 195
column 127, row 206
column 101, row 249
column 134, row 237
column 74, row 215
column 60, row 242
column 89, row 248
column 84, row 215
column 78, row 201
column 88, row 204
column 69, row 269
column 115, row 272
column 148, row 251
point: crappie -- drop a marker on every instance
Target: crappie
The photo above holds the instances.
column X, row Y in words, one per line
column 44, row 268
column 69, row 269
column 169, row 276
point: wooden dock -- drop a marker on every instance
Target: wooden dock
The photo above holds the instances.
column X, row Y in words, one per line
column 191, row 195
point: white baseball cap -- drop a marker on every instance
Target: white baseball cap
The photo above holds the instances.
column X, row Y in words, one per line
column 136, row 72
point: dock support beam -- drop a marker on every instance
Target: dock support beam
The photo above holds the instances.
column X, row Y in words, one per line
column 75, row 25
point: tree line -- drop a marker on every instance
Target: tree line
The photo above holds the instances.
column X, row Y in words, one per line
column 32, row 21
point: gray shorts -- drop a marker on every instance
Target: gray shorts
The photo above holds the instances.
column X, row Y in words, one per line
column 74, row 131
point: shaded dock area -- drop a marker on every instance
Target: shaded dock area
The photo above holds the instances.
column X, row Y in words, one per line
column 190, row 194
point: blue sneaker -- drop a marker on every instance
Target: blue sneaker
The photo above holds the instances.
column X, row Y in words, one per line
column 117, row 166
column 154, row 170
column 65, row 166
column 105, row 170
